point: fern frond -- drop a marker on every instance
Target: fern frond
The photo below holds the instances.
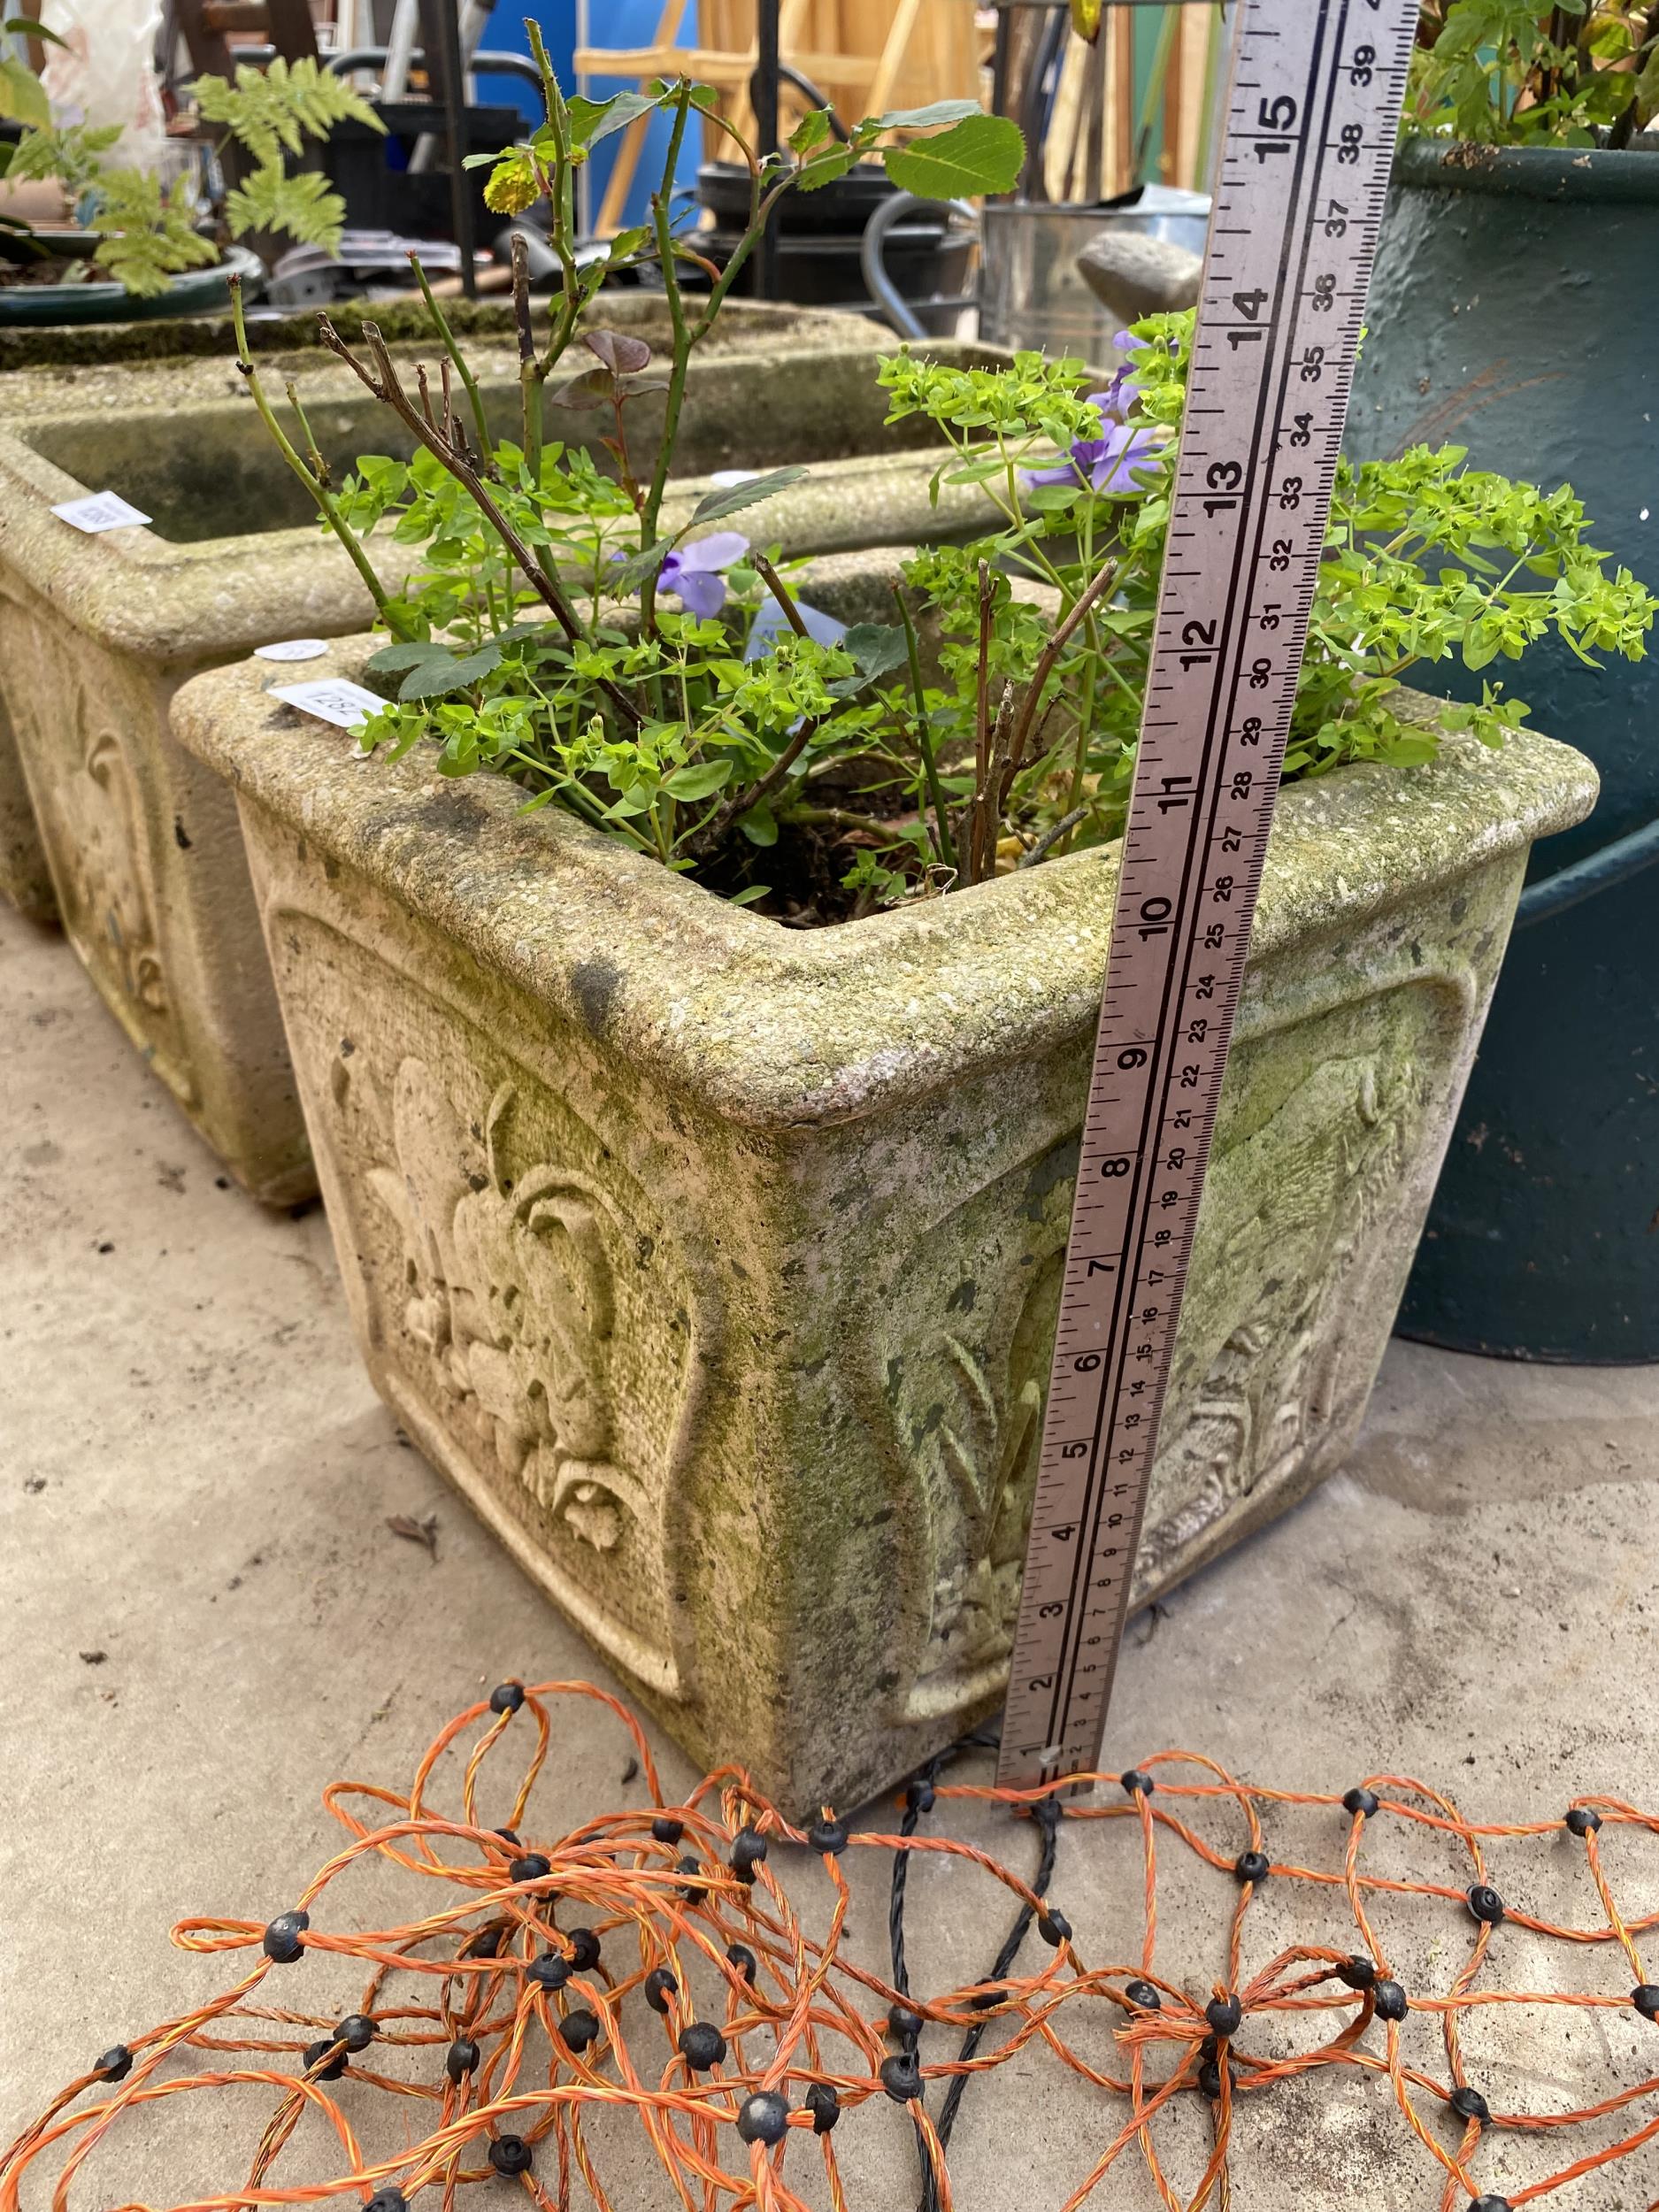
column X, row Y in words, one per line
column 304, row 206
column 268, row 109
column 70, row 154
column 144, row 237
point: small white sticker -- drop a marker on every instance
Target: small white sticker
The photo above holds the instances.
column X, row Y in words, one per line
column 726, row 478
column 347, row 706
column 293, row 649
column 101, row 511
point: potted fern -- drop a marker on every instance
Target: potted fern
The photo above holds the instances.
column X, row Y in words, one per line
column 134, row 249
column 1514, row 311
column 691, row 999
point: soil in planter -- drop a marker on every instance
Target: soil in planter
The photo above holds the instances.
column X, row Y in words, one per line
column 803, row 871
column 22, row 273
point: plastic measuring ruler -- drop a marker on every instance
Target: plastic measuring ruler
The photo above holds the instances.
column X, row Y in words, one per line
column 1313, row 107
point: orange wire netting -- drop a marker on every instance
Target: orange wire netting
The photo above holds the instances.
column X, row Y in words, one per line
column 554, row 1983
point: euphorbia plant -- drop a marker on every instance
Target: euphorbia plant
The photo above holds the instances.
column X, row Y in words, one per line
column 555, row 630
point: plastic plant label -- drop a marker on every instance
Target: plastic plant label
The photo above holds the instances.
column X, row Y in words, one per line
column 293, row 649
column 99, row 511
column 347, row 706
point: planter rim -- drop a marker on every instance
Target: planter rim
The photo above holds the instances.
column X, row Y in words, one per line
column 753, row 1020
column 218, row 593
column 402, row 320
column 37, row 306
column 1596, row 174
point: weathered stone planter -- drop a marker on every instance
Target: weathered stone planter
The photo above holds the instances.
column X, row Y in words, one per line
column 717, row 1263
column 97, row 633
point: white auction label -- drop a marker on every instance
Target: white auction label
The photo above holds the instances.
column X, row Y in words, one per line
column 293, row 649
column 347, row 706
column 100, row 510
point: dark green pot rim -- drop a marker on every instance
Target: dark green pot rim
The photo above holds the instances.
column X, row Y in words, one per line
column 192, row 291
column 1529, row 173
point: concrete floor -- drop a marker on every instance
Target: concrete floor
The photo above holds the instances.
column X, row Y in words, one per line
column 206, row 1618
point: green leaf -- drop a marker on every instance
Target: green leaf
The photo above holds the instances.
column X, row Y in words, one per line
column 541, row 631
column 22, row 98
column 72, row 154
column 26, row 27
column 630, row 575
column 982, row 153
column 811, row 131
column 143, row 237
column 759, row 825
column 981, row 471
column 398, row 660
column 514, row 184
column 591, row 120
column 923, row 119
column 731, row 498
column 747, row 898
column 825, row 168
column 1053, row 499
column 700, row 780
column 879, row 648
column 436, row 679
column 304, row 206
column 281, row 104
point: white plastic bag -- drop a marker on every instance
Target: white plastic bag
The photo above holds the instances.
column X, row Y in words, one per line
column 104, row 72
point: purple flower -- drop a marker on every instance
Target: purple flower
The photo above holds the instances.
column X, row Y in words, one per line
column 1113, row 461
column 692, row 572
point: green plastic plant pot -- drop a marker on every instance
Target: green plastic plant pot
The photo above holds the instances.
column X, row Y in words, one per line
column 191, row 292
column 1514, row 311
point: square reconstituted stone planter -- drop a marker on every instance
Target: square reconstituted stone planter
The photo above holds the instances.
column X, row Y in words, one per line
column 716, row 1262
column 57, row 358
column 97, row 632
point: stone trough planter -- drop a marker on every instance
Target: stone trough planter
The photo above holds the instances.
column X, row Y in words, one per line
column 716, row 1264
column 97, row 632
column 63, row 353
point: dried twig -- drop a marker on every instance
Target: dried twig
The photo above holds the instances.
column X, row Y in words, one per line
column 1051, row 836
column 1056, row 646
column 740, row 802
column 782, row 593
column 383, row 380
column 923, row 735
column 424, row 1532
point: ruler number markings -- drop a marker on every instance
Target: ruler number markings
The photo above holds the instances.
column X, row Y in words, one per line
column 1305, row 166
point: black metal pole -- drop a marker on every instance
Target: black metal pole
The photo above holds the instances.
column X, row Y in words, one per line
column 441, row 29
column 765, row 93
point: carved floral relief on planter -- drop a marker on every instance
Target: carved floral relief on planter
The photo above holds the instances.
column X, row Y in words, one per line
column 1296, row 1270
column 85, row 790
column 25, row 877
column 523, row 1305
